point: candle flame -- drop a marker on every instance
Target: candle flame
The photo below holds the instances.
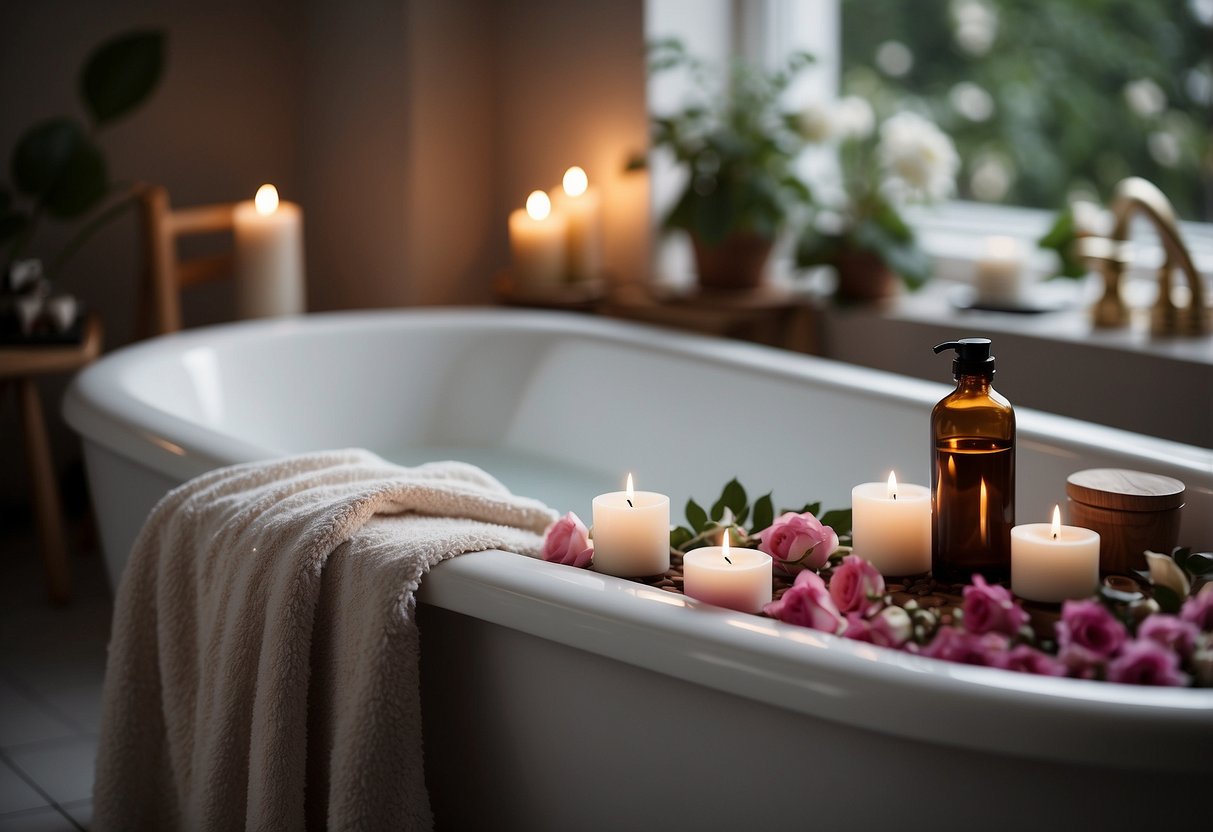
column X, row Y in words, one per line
column 575, row 181
column 538, row 206
column 631, row 491
column 985, row 521
column 266, row 200
column 892, row 486
column 724, row 545
column 1056, row 521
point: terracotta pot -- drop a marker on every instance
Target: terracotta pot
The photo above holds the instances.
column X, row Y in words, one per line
column 863, row 276
column 739, row 261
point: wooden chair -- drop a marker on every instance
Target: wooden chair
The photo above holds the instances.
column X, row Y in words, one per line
column 167, row 272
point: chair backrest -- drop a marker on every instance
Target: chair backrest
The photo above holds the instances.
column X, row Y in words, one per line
column 167, row 273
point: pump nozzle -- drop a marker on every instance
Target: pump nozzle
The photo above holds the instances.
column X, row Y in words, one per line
column 972, row 356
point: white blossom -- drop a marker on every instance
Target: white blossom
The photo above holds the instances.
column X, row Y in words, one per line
column 815, row 122
column 853, row 118
column 1145, row 98
column 917, row 158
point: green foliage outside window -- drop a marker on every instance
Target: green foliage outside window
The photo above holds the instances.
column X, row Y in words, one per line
column 1048, row 100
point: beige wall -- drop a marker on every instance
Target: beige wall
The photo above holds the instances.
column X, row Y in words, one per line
column 407, row 129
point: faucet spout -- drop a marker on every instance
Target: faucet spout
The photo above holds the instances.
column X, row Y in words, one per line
column 1132, row 196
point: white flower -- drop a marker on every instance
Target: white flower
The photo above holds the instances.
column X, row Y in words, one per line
column 971, row 101
column 918, row 159
column 976, row 26
column 853, row 118
column 1145, row 98
column 815, row 123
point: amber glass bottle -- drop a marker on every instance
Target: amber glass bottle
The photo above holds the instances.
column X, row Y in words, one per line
column 972, row 471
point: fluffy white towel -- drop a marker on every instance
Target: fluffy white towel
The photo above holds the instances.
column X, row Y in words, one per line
column 263, row 670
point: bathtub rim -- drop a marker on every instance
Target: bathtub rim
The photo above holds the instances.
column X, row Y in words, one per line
column 97, row 407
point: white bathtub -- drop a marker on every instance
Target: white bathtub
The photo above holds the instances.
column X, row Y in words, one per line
column 560, row 699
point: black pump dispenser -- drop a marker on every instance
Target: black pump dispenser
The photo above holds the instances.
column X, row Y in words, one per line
column 972, row 357
column 972, row 470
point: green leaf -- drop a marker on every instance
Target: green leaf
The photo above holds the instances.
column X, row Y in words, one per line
column 1168, row 599
column 734, row 497
column 717, row 510
column 838, row 519
column 121, row 73
column 679, row 537
column 1199, row 564
column 1060, row 238
column 82, row 183
column 43, row 152
column 696, row 516
column 764, row 513
column 807, row 508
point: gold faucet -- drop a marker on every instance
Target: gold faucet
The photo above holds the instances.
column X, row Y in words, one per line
column 1110, row 256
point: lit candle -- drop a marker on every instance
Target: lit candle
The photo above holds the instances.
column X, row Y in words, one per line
column 739, row 579
column 631, row 532
column 269, row 256
column 999, row 277
column 1052, row 562
column 537, row 242
column 578, row 203
column 891, row 526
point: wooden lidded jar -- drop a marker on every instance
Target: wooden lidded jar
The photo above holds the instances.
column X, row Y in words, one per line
column 1132, row 511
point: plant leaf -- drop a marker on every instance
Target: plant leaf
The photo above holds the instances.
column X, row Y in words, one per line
column 43, row 152
column 1168, row 599
column 1199, row 564
column 764, row 513
column 121, row 73
column 696, row 516
column 81, row 185
column 838, row 519
column 734, row 497
column 679, row 537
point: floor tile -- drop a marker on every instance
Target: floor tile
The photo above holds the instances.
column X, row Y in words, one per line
column 81, row 812
column 79, row 705
column 62, row 768
column 15, row 793
column 23, row 719
column 39, row 820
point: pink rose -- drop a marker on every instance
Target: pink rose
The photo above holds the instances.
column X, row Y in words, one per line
column 857, row 587
column 798, row 539
column 955, row 645
column 807, row 603
column 1089, row 626
column 891, row 628
column 1146, row 662
column 990, row 609
column 567, row 541
column 1024, row 659
column 1170, row 631
column 1199, row 610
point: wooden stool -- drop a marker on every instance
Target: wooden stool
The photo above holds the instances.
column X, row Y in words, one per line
column 22, row 365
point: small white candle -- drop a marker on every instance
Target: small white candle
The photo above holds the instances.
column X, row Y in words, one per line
column 1052, row 562
column 739, row 579
column 269, row 256
column 631, row 532
column 537, row 242
column 999, row 277
column 891, row 526
column 579, row 204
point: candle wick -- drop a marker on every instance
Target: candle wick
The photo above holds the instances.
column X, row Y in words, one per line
column 894, row 495
column 1054, row 535
column 630, row 504
column 730, row 560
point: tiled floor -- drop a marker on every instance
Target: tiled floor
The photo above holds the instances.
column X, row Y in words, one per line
column 52, row 660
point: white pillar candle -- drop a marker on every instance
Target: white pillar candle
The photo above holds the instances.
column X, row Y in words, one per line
column 1052, row 562
column 537, row 242
column 579, row 204
column 999, row 277
column 269, row 256
column 891, row 526
column 739, row 579
column 631, row 533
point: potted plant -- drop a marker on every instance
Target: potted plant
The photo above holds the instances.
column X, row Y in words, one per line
column 738, row 148
column 857, row 225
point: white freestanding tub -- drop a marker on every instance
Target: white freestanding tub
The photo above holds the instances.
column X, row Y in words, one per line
column 562, row 699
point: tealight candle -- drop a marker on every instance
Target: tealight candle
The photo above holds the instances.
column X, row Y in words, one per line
column 578, row 203
column 999, row 278
column 537, row 242
column 891, row 526
column 1052, row 562
column 739, row 579
column 269, row 256
column 631, row 532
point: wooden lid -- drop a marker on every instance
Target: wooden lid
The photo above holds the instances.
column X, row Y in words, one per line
column 1124, row 490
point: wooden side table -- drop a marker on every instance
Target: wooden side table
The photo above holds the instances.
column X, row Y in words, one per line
column 21, row 366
